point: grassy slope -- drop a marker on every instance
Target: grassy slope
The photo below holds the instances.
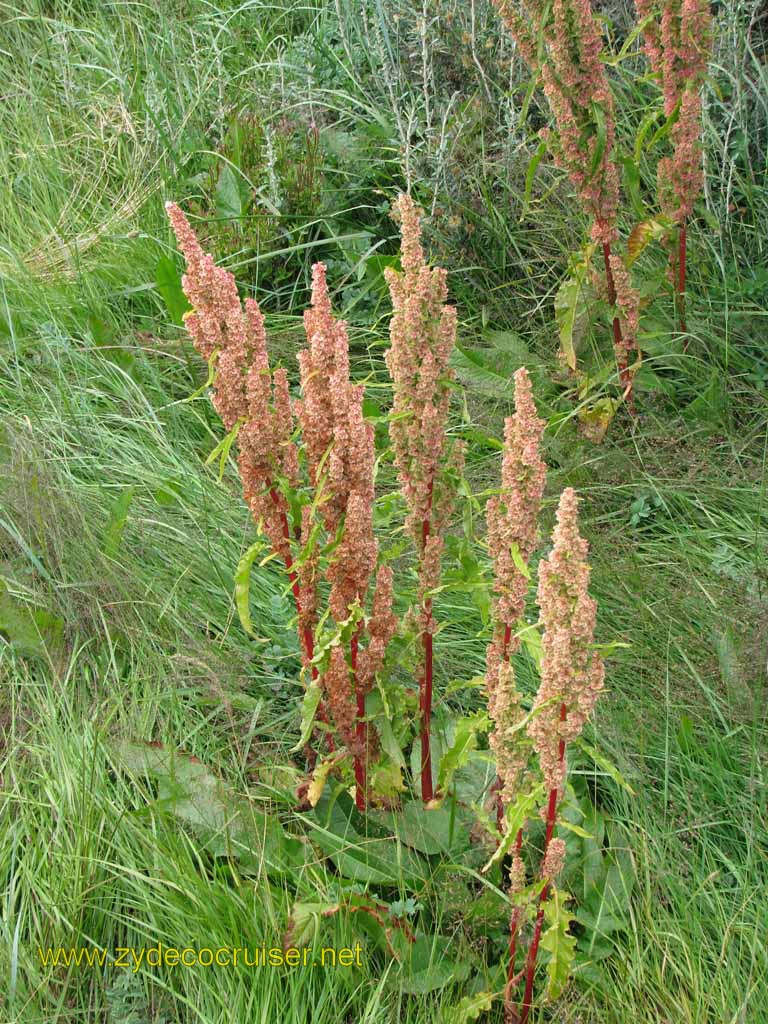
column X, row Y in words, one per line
column 92, row 405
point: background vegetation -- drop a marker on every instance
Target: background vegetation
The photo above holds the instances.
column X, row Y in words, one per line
column 288, row 127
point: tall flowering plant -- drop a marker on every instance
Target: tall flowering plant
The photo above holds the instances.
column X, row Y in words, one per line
column 307, row 468
column 329, row 479
column 561, row 43
column 678, row 44
column 422, row 335
column 571, row 673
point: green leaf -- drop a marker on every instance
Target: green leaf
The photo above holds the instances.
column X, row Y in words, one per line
column 516, row 816
column 226, row 822
column 531, row 637
column 520, row 563
column 309, row 705
column 602, row 135
column 459, row 752
column 471, row 1007
column 374, row 859
column 222, row 449
column 430, row 830
column 558, row 943
column 304, row 921
column 427, row 963
column 118, row 516
column 168, row 283
column 243, row 586
column 572, row 310
column 229, row 194
column 606, row 765
column 33, row 632
column 530, row 174
column 472, row 370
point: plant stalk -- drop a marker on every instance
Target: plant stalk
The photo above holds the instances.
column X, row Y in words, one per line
column 625, row 377
column 306, row 638
column 425, row 694
column 530, row 968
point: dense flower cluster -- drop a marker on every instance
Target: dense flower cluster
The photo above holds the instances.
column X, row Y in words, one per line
column 627, row 301
column 512, row 519
column 678, row 44
column 245, row 392
column 562, row 44
column 339, row 447
column 422, row 335
column 571, row 670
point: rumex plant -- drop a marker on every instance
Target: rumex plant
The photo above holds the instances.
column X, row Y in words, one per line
column 337, row 457
column 571, row 672
column 678, row 43
column 561, row 43
column 422, row 335
column 307, row 466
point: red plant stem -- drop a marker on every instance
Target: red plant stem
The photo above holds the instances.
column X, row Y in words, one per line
column 306, row 638
column 530, row 967
column 425, row 695
column 681, row 261
column 625, row 376
column 360, row 730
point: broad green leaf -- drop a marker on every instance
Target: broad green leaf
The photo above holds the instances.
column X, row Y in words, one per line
column 309, row 705
column 304, row 920
column 531, row 637
column 226, row 822
column 33, row 632
column 458, row 753
column 168, row 283
column 472, row 370
column 118, row 516
column 243, row 585
column 471, row 1007
column 376, row 858
column 229, row 194
column 558, row 943
column 572, row 310
column 430, row 830
column 520, row 563
column 429, row 963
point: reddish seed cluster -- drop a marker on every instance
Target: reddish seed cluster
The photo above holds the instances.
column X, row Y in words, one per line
column 245, row 392
column 512, row 519
column 339, row 446
column 628, row 304
column 678, row 44
column 563, row 47
column 422, row 335
column 571, row 671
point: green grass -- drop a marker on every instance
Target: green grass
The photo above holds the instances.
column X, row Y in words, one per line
column 111, row 109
